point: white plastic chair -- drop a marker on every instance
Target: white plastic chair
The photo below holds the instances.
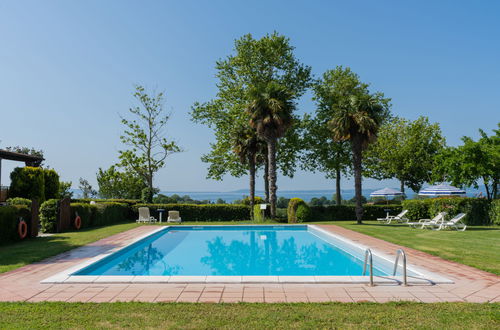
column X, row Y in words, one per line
column 144, row 215
column 173, row 216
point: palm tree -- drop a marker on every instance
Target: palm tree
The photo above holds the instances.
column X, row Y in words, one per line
column 357, row 120
column 271, row 114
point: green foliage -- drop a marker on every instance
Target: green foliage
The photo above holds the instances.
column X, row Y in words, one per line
column 246, row 201
column 65, row 190
column 495, row 211
column 19, row 201
column 119, row 184
column 87, row 190
column 145, row 135
column 27, row 182
column 477, row 209
column 48, row 216
column 129, row 202
column 469, row 164
column 348, row 212
column 282, row 202
column 9, row 219
column 257, row 213
column 298, row 211
column 51, row 179
column 101, row 214
column 207, row 212
column 405, row 150
column 147, row 195
column 163, row 199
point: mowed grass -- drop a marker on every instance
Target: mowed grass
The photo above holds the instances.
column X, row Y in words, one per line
column 22, row 253
column 249, row 316
column 478, row 246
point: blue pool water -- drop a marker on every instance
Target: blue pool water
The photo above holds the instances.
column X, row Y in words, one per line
column 231, row 250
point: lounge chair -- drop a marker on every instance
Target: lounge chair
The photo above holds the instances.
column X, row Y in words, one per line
column 399, row 218
column 144, row 215
column 173, row 216
column 428, row 223
column 455, row 223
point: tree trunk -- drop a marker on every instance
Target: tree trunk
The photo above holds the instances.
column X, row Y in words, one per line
column 357, row 159
column 266, row 179
column 251, row 164
column 338, row 197
column 403, row 186
column 488, row 194
column 271, row 153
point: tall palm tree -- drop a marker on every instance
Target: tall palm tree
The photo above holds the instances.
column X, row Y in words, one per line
column 246, row 146
column 271, row 114
column 357, row 120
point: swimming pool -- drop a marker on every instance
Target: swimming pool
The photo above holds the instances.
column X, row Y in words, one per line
column 241, row 253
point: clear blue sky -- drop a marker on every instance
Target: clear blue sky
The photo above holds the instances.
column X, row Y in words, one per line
column 67, row 70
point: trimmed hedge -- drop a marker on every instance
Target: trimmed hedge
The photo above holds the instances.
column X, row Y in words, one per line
column 27, row 182
column 298, row 211
column 477, row 209
column 495, row 212
column 19, row 201
column 348, row 212
column 200, row 212
column 9, row 219
column 48, row 216
column 51, row 179
column 101, row 214
column 129, row 202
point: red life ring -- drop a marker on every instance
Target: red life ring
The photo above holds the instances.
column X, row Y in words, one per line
column 22, row 229
column 78, row 222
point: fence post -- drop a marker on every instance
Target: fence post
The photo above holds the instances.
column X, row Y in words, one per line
column 63, row 215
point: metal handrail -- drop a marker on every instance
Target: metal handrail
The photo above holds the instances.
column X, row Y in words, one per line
column 400, row 252
column 368, row 254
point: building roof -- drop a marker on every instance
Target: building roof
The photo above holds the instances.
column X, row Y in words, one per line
column 29, row 160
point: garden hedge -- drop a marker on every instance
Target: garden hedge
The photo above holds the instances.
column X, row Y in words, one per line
column 101, row 214
column 347, row 212
column 27, row 182
column 111, row 200
column 477, row 209
column 19, row 201
column 48, row 216
column 9, row 218
column 495, row 212
column 200, row 212
column 51, row 180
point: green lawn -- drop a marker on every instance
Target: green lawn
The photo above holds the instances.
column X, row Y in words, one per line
column 250, row 316
column 478, row 246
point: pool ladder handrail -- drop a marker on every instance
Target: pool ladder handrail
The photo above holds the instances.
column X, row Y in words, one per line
column 368, row 257
column 399, row 253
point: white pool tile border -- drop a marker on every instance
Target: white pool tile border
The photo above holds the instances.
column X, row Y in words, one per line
column 423, row 276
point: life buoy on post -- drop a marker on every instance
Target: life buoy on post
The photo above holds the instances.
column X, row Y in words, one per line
column 78, row 222
column 22, row 229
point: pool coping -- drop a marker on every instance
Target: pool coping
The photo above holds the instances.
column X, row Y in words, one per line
column 66, row 276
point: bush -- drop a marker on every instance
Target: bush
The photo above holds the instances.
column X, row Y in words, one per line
column 101, row 214
column 257, row 213
column 51, row 179
column 27, row 182
column 9, row 219
column 495, row 212
column 48, row 216
column 19, row 201
column 257, row 200
column 298, row 211
column 203, row 212
column 348, row 212
column 477, row 209
column 129, row 202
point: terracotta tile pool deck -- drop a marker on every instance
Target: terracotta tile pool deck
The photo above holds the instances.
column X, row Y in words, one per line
column 23, row 284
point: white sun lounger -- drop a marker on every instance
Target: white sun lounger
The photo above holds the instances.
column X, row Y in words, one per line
column 455, row 223
column 173, row 216
column 428, row 223
column 399, row 218
column 144, row 215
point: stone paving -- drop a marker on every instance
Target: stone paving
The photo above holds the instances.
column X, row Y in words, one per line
column 23, row 284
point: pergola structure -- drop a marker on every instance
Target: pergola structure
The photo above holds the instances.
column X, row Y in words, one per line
column 29, row 160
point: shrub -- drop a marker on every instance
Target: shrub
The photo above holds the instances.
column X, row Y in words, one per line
column 348, row 212
column 51, row 179
column 257, row 213
column 27, row 182
column 19, row 201
column 298, row 211
column 129, row 202
column 9, row 218
column 201, row 212
column 417, row 208
column 48, row 216
column 495, row 212
column 101, row 214
column 257, row 200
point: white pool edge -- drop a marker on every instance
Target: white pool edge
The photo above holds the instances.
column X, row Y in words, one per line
column 424, row 276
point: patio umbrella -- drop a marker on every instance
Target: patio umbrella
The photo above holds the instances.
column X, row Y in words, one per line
column 386, row 192
column 441, row 190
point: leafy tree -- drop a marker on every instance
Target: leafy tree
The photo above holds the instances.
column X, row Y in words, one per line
column 255, row 63
column 27, row 151
column 119, row 184
column 65, row 190
column 468, row 164
column 357, row 116
column 405, row 150
column 86, row 188
column 145, row 135
column 163, row 199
